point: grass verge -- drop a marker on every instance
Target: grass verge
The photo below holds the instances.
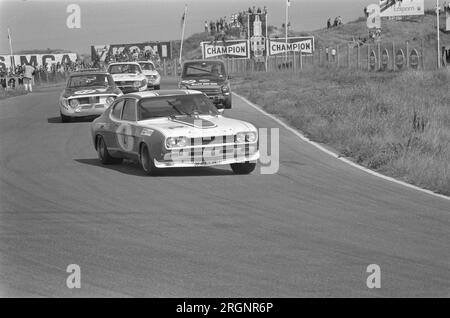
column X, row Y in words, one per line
column 395, row 123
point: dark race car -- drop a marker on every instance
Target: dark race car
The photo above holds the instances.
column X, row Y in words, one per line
column 87, row 93
column 209, row 77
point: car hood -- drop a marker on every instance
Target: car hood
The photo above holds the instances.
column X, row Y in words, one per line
column 127, row 77
column 83, row 91
column 197, row 127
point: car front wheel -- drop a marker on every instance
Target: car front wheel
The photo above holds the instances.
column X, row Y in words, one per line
column 243, row 167
column 227, row 103
column 147, row 162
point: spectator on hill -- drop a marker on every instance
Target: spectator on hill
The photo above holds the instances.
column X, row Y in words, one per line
column 329, row 23
column 206, row 26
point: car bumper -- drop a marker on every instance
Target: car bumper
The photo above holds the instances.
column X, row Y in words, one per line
column 151, row 82
column 219, row 99
column 94, row 110
column 205, row 162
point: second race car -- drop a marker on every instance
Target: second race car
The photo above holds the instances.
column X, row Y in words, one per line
column 87, row 93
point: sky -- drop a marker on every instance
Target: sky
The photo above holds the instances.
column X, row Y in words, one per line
column 41, row 24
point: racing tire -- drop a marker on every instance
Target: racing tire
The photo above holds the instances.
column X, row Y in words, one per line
column 227, row 103
column 147, row 163
column 65, row 119
column 243, row 167
column 103, row 154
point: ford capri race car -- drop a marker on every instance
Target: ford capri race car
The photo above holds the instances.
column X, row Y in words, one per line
column 153, row 77
column 87, row 93
column 173, row 128
column 209, row 77
column 128, row 76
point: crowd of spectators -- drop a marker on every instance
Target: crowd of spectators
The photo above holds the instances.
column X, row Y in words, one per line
column 12, row 77
column 337, row 22
column 234, row 25
column 127, row 55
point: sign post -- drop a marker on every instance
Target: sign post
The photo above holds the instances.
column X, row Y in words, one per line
column 438, row 37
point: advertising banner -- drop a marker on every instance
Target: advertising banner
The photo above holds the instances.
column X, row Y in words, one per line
column 399, row 8
column 163, row 50
column 229, row 49
column 37, row 59
column 305, row 44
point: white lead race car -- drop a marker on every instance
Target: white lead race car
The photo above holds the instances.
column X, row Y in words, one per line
column 173, row 128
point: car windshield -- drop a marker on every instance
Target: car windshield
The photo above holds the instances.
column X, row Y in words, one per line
column 124, row 68
column 180, row 105
column 90, row 80
column 147, row 66
column 204, row 69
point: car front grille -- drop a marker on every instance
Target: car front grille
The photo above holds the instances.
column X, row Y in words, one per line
column 88, row 100
column 125, row 83
column 211, row 140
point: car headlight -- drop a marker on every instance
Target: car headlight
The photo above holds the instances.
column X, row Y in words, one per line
column 74, row 103
column 64, row 102
column 245, row 137
column 110, row 100
column 250, row 137
column 176, row 142
column 137, row 84
column 240, row 137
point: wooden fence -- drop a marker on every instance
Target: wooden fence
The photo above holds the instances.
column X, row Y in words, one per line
column 369, row 57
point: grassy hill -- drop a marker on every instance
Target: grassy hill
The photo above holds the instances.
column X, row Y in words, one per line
column 413, row 29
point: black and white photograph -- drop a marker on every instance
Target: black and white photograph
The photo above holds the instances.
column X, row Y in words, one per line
column 224, row 155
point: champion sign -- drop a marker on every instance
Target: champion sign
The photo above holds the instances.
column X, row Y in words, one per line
column 297, row 44
column 233, row 49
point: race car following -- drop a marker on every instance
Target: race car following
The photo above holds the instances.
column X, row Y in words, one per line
column 173, row 128
column 153, row 77
column 209, row 77
column 128, row 76
column 87, row 93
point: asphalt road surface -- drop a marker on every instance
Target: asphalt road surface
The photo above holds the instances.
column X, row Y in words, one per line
column 309, row 230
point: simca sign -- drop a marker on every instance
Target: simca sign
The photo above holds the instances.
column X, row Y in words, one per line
column 295, row 44
column 37, row 59
column 230, row 49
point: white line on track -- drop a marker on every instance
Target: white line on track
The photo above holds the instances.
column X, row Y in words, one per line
column 335, row 155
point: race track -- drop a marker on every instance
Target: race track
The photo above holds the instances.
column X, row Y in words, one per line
column 309, row 230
